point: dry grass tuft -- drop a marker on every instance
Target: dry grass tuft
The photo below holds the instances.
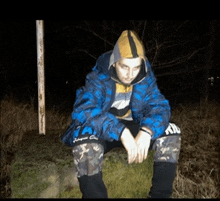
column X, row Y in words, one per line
column 19, row 118
column 198, row 169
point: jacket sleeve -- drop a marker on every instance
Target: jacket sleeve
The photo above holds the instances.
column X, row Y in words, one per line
column 88, row 112
column 155, row 110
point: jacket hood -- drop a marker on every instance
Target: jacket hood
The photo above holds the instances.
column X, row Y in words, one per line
column 128, row 46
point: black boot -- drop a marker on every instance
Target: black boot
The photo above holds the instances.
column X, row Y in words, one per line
column 162, row 181
column 92, row 186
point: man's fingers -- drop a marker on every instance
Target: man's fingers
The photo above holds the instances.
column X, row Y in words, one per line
column 145, row 154
column 136, row 159
column 130, row 157
column 130, row 145
column 141, row 154
column 132, row 154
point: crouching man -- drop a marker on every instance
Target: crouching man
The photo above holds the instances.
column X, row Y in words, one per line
column 121, row 104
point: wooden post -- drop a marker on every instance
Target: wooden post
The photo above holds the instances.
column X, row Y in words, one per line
column 41, row 78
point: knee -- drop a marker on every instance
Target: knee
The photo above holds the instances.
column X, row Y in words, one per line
column 167, row 147
column 88, row 158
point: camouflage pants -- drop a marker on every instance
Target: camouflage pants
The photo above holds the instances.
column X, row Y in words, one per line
column 88, row 157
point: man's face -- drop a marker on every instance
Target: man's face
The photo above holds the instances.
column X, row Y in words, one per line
column 127, row 69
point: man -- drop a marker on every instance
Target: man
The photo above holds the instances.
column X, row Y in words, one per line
column 121, row 104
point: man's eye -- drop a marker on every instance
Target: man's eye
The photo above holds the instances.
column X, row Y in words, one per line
column 124, row 67
column 138, row 67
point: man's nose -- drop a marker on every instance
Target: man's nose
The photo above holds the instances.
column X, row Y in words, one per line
column 130, row 73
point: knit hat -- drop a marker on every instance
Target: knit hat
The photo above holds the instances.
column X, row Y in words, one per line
column 128, row 46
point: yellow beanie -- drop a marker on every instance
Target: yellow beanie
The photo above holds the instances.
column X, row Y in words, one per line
column 128, row 46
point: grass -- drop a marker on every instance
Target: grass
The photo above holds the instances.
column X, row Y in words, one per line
column 39, row 182
column 26, row 184
column 197, row 172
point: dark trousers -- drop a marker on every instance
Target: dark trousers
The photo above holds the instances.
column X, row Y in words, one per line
column 167, row 149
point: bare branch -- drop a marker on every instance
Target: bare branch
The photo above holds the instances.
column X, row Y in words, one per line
column 145, row 23
column 156, row 51
column 196, row 51
column 179, row 59
column 132, row 21
column 87, row 24
column 95, row 34
column 179, row 72
column 139, row 25
column 82, row 50
column 176, row 30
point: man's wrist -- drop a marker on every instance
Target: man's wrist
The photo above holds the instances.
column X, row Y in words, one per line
column 146, row 131
column 125, row 132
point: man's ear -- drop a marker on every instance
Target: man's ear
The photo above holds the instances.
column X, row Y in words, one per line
column 113, row 64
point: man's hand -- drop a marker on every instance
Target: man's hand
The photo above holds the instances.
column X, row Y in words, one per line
column 129, row 143
column 143, row 143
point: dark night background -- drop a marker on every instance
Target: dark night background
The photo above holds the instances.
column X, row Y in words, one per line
column 185, row 59
column 184, row 56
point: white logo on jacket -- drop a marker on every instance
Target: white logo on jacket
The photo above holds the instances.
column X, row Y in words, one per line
column 172, row 129
column 91, row 137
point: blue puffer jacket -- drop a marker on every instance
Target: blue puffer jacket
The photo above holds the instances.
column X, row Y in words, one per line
column 91, row 117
